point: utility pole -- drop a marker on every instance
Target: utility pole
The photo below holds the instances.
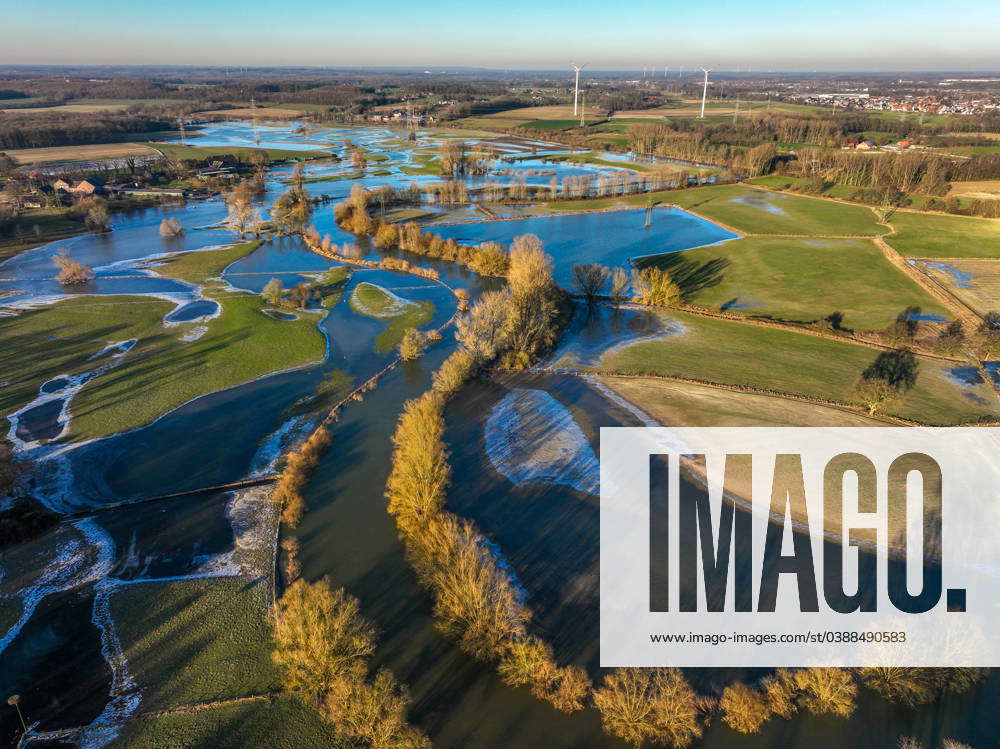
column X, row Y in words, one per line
column 736, row 112
column 583, row 112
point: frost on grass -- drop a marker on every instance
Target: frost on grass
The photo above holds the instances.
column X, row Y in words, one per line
column 531, row 438
column 389, row 305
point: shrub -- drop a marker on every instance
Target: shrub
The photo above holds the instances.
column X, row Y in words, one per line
column 71, row 272
column 655, row 286
column 649, row 704
column 827, row 690
column 319, row 636
column 298, row 465
column 413, row 344
column 744, row 709
column 454, row 372
column 171, row 227
column 420, row 470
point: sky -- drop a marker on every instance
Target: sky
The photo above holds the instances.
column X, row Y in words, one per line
column 780, row 35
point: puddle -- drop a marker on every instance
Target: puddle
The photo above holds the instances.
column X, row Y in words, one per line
column 200, row 310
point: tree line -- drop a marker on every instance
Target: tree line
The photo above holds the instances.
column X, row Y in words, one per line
column 476, row 601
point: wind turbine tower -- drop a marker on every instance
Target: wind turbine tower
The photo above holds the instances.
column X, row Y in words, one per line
column 576, row 88
column 704, row 91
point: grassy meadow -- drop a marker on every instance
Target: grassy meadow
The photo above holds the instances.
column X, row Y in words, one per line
column 162, row 371
column 760, row 212
column 936, row 235
column 790, row 362
column 804, row 280
column 196, row 640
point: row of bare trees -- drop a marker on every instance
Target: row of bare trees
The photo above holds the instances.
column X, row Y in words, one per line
column 352, row 215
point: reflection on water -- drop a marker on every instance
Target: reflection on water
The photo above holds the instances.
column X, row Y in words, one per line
column 611, row 238
column 547, row 532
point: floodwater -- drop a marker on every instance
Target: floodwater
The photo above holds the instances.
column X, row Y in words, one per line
column 546, row 531
column 611, row 238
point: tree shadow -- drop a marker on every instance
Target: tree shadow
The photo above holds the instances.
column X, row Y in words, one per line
column 690, row 275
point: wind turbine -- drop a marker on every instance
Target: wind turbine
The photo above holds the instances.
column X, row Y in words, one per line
column 704, row 91
column 576, row 88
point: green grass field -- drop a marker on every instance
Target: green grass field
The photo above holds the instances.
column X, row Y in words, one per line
column 240, row 345
column 414, row 317
column 198, row 267
column 805, row 280
column 737, row 354
column 196, row 640
column 286, row 723
column 934, row 235
column 180, row 151
column 161, row 372
column 52, row 224
column 838, row 191
column 547, row 124
column 761, row 212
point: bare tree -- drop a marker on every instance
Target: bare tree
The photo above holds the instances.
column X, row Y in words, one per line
column 619, row 286
column 243, row 215
column 71, row 271
column 590, row 279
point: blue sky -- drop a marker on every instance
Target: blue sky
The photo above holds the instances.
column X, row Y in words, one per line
column 782, row 35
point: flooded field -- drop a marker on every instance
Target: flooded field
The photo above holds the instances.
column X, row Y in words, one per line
column 612, row 238
column 524, row 453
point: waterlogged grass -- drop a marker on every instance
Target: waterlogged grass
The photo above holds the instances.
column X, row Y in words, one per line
column 198, row 267
column 598, row 204
column 761, row 212
column 285, row 723
column 415, row 317
column 42, row 343
column 738, row 354
column 806, row 280
column 374, row 301
column 196, row 640
column 934, row 235
column 164, row 372
column 590, row 158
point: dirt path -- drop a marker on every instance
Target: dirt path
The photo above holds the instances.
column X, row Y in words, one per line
column 969, row 318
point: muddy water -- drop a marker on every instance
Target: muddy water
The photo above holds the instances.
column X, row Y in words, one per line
column 560, row 576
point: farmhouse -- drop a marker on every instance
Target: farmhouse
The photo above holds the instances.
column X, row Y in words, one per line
column 83, row 187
